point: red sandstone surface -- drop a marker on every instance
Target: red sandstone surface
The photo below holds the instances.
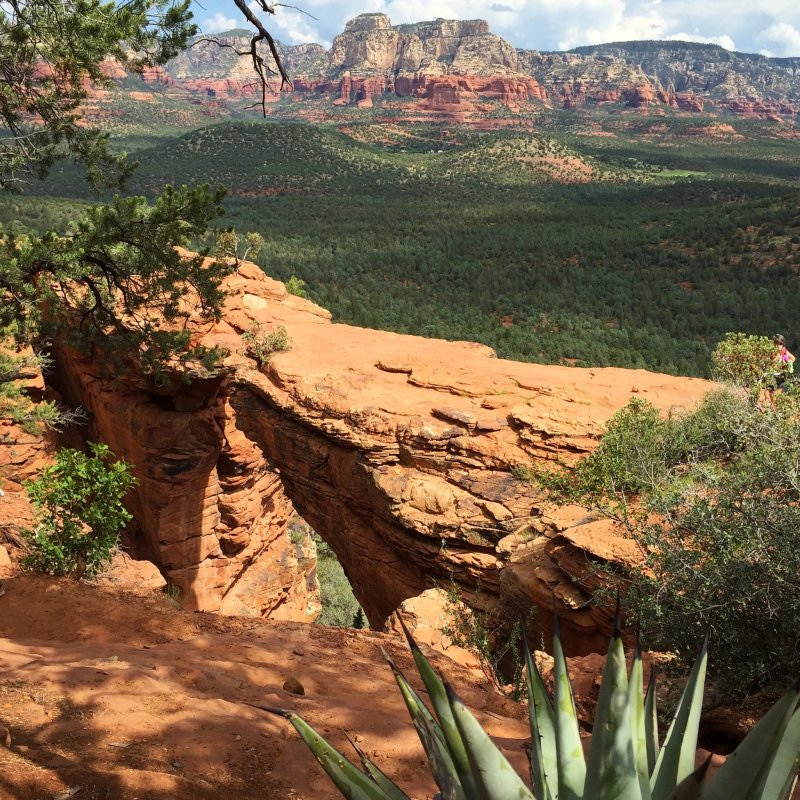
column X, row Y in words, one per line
column 114, row 693
column 397, row 450
column 452, row 97
column 109, row 694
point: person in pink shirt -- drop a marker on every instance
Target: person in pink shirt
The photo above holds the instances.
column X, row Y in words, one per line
column 784, row 358
column 784, row 361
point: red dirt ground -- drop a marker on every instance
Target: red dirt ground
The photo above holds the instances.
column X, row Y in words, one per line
column 105, row 694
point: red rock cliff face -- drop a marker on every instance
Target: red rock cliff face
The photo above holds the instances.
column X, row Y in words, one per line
column 210, row 510
column 396, row 449
column 23, row 454
column 459, row 70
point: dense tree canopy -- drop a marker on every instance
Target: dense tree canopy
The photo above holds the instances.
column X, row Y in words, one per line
column 50, row 52
column 713, row 499
column 113, row 279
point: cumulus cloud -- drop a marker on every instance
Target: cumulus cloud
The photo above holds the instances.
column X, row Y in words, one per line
column 219, row 23
column 781, row 39
column 723, row 41
column 772, row 25
column 615, row 23
column 299, row 28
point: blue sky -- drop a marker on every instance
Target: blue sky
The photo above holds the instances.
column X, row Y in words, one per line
column 771, row 27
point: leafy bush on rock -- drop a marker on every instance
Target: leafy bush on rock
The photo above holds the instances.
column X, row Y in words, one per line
column 80, row 512
column 713, row 498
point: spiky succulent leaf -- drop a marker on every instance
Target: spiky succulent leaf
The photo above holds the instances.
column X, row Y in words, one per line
column 415, row 704
column 785, row 763
column 691, row 787
column 651, row 722
column 638, row 722
column 441, row 706
column 569, row 750
column 746, row 772
column 441, row 763
column 611, row 772
column 349, row 780
column 543, row 735
column 493, row 774
column 432, row 738
column 393, row 791
column 676, row 759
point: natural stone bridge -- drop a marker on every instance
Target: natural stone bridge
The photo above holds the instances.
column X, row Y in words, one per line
column 397, row 450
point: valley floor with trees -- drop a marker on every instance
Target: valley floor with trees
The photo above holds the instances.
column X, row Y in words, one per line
column 494, row 237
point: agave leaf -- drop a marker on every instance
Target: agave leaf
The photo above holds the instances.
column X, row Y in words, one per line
column 544, row 775
column 349, row 780
column 638, row 720
column 611, row 769
column 651, row 722
column 430, row 734
column 392, row 790
column 569, row 750
column 441, row 706
column 493, row 773
column 414, row 703
column 677, row 756
column 691, row 787
column 440, row 761
column 748, row 769
column 785, row 764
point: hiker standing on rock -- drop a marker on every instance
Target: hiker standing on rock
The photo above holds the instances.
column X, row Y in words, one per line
column 783, row 367
column 784, row 361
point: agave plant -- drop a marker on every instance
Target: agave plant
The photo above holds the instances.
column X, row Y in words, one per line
column 625, row 761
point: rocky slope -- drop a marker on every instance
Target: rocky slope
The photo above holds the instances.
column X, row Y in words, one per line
column 399, row 451
column 459, row 69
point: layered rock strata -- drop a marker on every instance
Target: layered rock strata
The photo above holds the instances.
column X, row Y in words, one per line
column 24, row 451
column 399, row 451
column 450, row 65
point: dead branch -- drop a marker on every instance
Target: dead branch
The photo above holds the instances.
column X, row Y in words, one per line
column 263, row 70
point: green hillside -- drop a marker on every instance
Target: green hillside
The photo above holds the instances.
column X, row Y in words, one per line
column 638, row 248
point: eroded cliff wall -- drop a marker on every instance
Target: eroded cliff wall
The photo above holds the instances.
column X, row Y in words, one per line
column 460, row 67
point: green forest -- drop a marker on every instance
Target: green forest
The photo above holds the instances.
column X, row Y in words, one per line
column 638, row 248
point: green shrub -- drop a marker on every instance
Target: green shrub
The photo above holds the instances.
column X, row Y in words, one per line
column 339, row 605
column 18, row 406
column 228, row 245
column 747, row 362
column 716, row 510
column 494, row 638
column 296, row 286
column 79, row 512
column 260, row 344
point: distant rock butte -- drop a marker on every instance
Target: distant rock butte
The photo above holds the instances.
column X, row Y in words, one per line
column 448, row 65
column 397, row 450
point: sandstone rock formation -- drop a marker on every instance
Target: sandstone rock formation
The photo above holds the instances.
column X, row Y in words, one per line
column 442, row 68
column 397, row 450
column 684, row 76
column 428, row 617
column 24, row 452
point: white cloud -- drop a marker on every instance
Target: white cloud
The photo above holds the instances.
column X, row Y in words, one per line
column 723, row 41
column 772, row 25
column 219, row 23
column 298, row 28
column 614, row 24
column 782, row 39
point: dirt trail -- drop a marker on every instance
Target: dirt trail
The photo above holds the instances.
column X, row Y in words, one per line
column 128, row 697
